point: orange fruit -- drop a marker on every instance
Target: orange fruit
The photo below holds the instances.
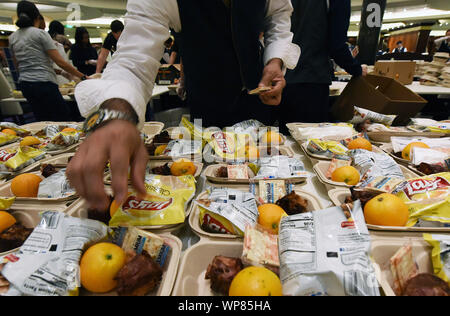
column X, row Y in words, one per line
column 406, row 154
column 386, row 210
column 26, row 185
column 360, row 143
column 256, row 281
column 272, row 137
column 100, row 265
column 183, row 167
column 6, row 221
column 270, row 216
column 348, row 174
column 29, row 141
column 9, row 132
column 69, row 130
column 160, row 150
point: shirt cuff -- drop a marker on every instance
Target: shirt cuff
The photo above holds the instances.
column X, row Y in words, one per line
column 91, row 94
column 289, row 54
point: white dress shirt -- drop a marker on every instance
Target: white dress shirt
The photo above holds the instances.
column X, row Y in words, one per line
column 134, row 67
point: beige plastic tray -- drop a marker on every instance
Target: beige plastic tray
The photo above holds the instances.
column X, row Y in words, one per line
column 209, row 154
column 210, row 173
column 151, row 129
column 194, row 219
column 191, row 277
column 37, row 126
column 59, row 161
column 28, row 215
column 385, row 137
column 70, row 149
column 338, row 196
column 387, row 148
column 5, row 191
column 384, row 247
column 170, row 269
column 321, row 169
column 79, row 209
column 153, row 164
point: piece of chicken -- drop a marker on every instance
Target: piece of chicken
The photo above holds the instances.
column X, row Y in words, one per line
column 222, row 271
column 293, row 204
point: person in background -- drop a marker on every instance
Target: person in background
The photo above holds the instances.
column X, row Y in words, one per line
column 167, row 50
column 110, row 44
column 83, row 55
column 443, row 43
column 400, row 48
column 34, row 52
column 56, row 31
column 218, row 81
column 320, row 29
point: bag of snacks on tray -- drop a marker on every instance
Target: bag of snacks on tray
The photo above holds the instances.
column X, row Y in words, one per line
column 280, row 167
column 183, row 147
column 327, row 149
column 362, row 115
column 428, row 198
column 440, row 144
column 13, row 160
column 337, row 162
column 373, row 165
column 326, row 131
column 429, row 156
column 228, row 211
column 232, row 146
column 50, row 266
column 326, row 253
column 440, row 255
column 165, row 203
column 6, row 139
column 56, row 186
column 60, row 141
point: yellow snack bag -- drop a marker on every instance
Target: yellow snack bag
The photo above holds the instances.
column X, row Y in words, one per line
column 6, row 139
column 440, row 255
column 21, row 157
column 195, row 131
column 5, row 203
column 326, row 148
column 232, row 146
column 165, row 203
column 428, row 198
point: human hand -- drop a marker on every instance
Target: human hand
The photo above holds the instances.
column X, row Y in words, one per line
column 273, row 77
column 118, row 142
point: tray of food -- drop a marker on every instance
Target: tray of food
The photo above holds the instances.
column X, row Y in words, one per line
column 151, row 129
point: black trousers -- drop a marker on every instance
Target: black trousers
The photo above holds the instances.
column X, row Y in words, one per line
column 304, row 103
column 46, row 101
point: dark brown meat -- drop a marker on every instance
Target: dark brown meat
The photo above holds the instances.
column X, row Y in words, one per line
column 222, row 172
column 151, row 149
column 363, row 127
column 398, row 155
column 426, row 285
column 163, row 138
column 103, row 216
column 431, row 169
column 293, row 204
column 221, row 272
column 162, row 170
column 14, row 237
column 363, row 195
column 139, row 276
column 48, row 170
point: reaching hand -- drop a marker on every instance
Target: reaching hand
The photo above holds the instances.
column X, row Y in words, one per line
column 273, row 77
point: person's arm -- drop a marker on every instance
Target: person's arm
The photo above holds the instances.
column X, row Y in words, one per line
column 60, row 62
column 173, row 58
column 439, row 41
column 280, row 53
column 339, row 22
column 126, row 85
column 102, row 60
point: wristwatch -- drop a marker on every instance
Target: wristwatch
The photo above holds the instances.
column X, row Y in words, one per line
column 104, row 115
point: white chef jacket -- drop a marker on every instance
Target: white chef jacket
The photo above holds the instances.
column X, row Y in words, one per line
column 132, row 72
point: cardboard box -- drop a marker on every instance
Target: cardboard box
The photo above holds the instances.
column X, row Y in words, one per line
column 400, row 70
column 379, row 94
column 167, row 74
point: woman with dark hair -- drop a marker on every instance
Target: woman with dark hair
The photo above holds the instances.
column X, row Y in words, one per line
column 83, row 55
column 35, row 52
column 56, row 31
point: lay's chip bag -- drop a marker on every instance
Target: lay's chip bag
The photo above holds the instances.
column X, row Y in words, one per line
column 165, row 203
column 15, row 159
column 440, row 255
column 428, row 198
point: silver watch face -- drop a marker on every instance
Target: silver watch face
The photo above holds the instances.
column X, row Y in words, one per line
column 93, row 121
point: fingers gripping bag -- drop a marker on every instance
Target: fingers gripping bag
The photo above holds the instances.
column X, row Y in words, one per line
column 326, row 253
column 165, row 203
column 440, row 255
column 428, row 198
column 48, row 262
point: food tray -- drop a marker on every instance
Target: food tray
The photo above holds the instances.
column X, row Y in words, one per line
column 384, row 247
column 210, row 156
column 60, row 161
column 151, row 129
column 387, row 148
column 191, row 277
column 385, row 137
column 153, row 164
column 170, row 270
column 70, row 149
column 194, row 219
column 338, row 196
column 37, row 126
column 28, row 215
column 79, row 209
column 321, row 168
column 210, row 173
column 5, row 191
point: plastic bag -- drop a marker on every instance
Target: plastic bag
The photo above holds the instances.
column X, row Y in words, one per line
column 325, row 253
column 428, row 198
column 325, row 131
column 48, row 262
column 281, row 167
column 373, row 165
column 362, row 114
column 61, row 141
column 399, row 143
column 182, row 147
column 56, row 186
column 13, row 160
column 260, row 248
column 165, row 203
column 440, row 255
column 327, row 149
